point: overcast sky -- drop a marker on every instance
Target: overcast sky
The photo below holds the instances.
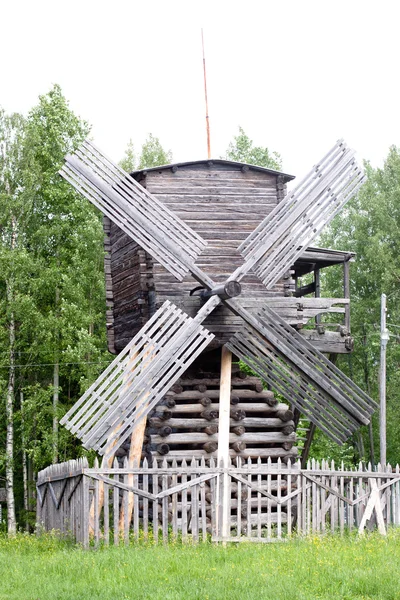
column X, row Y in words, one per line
column 296, row 75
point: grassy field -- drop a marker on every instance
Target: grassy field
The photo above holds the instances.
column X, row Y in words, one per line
column 331, row 568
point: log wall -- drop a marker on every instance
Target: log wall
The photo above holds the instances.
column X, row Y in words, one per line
column 223, row 203
column 185, row 423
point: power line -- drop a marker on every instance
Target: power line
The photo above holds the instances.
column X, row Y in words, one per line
column 53, row 364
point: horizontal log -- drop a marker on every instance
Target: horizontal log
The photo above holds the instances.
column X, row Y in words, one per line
column 165, row 431
column 209, row 415
column 205, row 401
column 239, row 446
column 264, row 395
column 272, row 453
column 177, row 388
column 200, row 387
column 163, row 413
column 210, row 447
column 162, row 448
column 239, row 430
column 248, row 422
column 279, row 411
column 257, row 437
column 237, row 414
column 211, row 429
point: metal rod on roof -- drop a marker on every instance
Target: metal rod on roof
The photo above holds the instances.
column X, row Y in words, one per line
column 205, row 94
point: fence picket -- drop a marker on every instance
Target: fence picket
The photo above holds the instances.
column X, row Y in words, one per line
column 261, row 499
column 116, row 504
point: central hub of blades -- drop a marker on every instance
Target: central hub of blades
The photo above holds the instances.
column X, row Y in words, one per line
column 230, row 289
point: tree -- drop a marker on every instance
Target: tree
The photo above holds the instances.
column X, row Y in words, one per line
column 153, row 154
column 52, row 300
column 370, row 227
column 128, row 163
column 66, row 237
column 11, row 259
column 242, row 149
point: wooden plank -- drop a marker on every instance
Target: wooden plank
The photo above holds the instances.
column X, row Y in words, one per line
column 126, row 514
column 203, row 505
column 145, row 518
column 270, row 335
column 165, row 506
column 184, row 501
column 224, row 437
column 95, row 417
column 298, row 219
column 116, row 505
column 174, row 501
column 96, row 509
column 132, row 208
column 106, row 514
column 155, row 502
column 194, row 516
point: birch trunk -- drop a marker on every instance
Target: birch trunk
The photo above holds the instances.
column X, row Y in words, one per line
column 11, row 522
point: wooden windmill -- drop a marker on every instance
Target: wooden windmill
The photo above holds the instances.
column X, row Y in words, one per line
column 115, row 408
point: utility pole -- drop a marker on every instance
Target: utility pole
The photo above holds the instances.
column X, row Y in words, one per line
column 382, row 382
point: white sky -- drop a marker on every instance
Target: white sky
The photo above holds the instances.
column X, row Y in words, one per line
column 296, row 75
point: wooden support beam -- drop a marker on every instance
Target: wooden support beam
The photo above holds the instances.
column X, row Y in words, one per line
column 346, row 293
column 304, row 290
column 223, row 442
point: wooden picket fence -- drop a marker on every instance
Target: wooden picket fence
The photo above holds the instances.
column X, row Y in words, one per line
column 198, row 500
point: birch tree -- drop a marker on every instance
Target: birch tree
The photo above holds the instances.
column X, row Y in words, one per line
column 11, row 250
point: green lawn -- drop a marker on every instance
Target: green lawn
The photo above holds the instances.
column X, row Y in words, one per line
column 330, row 568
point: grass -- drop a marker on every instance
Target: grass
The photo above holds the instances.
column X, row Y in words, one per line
column 348, row 568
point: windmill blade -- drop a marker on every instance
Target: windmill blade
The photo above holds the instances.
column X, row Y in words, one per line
column 105, row 416
column 130, row 206
column 302, row 374
column 280, row 238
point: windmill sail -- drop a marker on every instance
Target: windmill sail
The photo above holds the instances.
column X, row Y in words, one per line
column 130, row 206
column 279, row 240
column 302, row 374
column 140, row 376
column 137, row 379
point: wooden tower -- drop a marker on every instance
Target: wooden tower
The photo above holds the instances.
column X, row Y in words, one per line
column 208, row 254
column 223, row 202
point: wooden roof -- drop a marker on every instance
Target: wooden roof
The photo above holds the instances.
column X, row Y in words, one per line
column 211, row 162
column 321, row 257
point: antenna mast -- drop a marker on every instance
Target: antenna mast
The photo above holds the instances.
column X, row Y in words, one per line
column 205, row 94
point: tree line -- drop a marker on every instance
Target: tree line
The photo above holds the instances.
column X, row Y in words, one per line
column 52, row 300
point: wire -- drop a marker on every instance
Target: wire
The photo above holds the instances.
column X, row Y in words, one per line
column 52, row 364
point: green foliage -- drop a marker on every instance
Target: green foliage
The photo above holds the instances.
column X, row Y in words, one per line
column 153, row 154
column 242, row 149
column 330, row 568
column 370, row 226
column 128, row 163
column 56, row 266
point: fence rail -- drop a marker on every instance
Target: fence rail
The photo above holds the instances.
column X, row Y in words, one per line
column 267, row 502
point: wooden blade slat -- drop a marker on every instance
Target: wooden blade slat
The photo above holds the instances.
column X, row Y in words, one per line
column 137, row 379
column 148, row 204
column 137, row 212
column 291, row 385
column 279, row 240
column 300, row 372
